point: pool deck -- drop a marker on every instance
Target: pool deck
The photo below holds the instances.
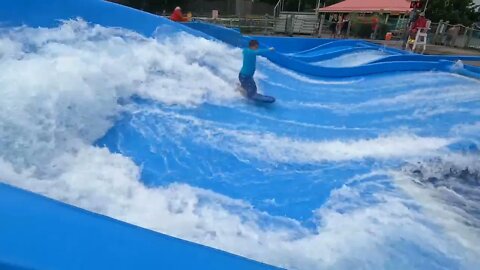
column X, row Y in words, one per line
column 435, row 49
column 431, row 49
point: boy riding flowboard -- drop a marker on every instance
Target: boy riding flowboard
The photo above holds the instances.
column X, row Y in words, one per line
column 248, row 70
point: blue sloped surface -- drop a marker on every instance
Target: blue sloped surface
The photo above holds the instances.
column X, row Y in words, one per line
column 40, row 233
column 297, row 54
column 314, row 166
column 39, row 13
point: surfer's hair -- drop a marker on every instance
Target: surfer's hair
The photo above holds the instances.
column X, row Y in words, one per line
column 252, row 43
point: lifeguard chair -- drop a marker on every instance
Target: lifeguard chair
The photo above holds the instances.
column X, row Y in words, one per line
column 421, row 37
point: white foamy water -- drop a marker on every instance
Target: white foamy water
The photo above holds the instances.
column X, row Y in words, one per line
column 453, row 180
column 352, row 59
column 272, row 148
column 427, row 93
column 435, row 96
column 60, row 89
column 306, row 79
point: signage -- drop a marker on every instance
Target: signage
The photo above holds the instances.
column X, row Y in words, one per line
column 418, row 4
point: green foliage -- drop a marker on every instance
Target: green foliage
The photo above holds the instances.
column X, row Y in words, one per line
column 382, row 30
column 292, row 5
column 306, row 5
column 362, row 27
column 273, row 2
column 455, row 11
column 331, row 2
column 155, row 5
column 169, row 5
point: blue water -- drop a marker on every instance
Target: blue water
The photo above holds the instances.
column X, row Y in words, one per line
column 196, row 145
column 232, row 148
column 374, row 166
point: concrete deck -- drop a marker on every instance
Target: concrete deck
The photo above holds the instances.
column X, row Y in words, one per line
column 435, row 49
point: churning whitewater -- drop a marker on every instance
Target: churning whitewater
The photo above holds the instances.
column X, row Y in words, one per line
column 374, row 172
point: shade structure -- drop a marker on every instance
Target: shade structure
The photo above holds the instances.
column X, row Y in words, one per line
column 369, row 6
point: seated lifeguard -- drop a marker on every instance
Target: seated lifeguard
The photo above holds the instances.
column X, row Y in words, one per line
column 177, row 15
column 420, row 23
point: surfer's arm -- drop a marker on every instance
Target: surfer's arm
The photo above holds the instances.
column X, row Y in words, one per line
column 262, row 51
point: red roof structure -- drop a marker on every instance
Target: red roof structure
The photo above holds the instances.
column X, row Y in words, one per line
column 369, row 6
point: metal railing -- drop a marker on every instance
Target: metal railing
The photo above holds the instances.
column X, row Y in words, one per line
column 296, row 23
column 260, row 25
column 457, row 35
column 441, row 33
column 278, row 8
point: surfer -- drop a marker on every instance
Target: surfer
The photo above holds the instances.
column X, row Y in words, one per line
column 248, row 69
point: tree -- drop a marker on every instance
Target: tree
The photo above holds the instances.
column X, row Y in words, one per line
column 331, row 2
column 292, row 5
column 456, row 11
column 155, row 5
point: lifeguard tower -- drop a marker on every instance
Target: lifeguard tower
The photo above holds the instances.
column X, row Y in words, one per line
column 421, row 37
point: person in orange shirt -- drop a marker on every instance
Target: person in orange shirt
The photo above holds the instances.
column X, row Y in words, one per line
column 177, row 15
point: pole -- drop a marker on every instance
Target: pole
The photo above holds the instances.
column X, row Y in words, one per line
column 435, row 37
column 320, row 26
column 348, row 28
column 299, row 5
column 425, row 7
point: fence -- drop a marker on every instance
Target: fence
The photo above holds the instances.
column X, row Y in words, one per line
column 441, row 33
column 457, row 35
column 296, row 23
column 259, row 25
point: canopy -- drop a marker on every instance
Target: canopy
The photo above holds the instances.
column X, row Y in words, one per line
column 369, row 6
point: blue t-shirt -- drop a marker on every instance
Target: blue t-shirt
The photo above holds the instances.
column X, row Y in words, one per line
column 250, row 61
